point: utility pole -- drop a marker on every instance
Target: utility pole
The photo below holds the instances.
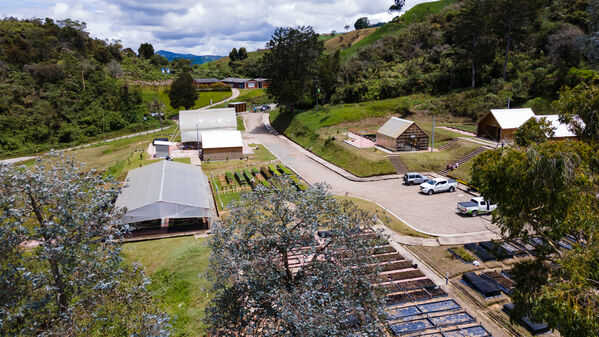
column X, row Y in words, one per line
column 317, row 92
column 433, row 138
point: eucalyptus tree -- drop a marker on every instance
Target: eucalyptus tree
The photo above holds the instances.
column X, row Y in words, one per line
column 61, row 271
column 274, row 274
column 546, row 192
column 291, row 62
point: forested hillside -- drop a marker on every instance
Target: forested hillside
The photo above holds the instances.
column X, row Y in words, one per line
column 58, row 86
column 477, row 54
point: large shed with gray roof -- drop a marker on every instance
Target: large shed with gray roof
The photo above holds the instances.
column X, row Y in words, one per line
column 401, row 135
column 164, row 193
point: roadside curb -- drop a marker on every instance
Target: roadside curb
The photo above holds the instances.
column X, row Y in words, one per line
column 323, row 162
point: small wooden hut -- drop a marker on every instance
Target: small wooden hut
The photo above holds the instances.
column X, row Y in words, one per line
column 401, row 135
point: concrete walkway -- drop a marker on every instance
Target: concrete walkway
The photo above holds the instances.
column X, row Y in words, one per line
column 435, row 215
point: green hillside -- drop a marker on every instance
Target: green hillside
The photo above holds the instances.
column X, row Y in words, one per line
column 59, row 87
column 416, row 13
column 221, row 68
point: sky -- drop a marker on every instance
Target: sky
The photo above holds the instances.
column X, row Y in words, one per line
column 201, row 27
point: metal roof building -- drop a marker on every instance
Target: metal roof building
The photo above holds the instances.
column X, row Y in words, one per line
column 560, row 130
column 163, row 190
column 501, row 124
column 222, row 145
column 401, row 135
column 193, row 123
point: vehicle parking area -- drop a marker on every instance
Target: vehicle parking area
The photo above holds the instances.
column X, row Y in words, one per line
column 432, row 214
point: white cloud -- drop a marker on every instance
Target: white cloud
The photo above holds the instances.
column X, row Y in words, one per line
column 202, row 27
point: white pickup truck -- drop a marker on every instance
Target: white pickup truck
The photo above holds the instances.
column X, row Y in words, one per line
column 438, row 185
column 476, row 206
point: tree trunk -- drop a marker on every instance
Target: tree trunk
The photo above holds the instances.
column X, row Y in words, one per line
column 507, row 51
column 82, row 78
column 473, row 63
column 61, row 297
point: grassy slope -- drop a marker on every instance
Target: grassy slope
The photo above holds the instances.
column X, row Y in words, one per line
column 416, row 13
column 311, row 129
column 344, row 41
column 223, row 63
column 175, row 267
column 148, row 94
column 250, row 96
column 436, row 161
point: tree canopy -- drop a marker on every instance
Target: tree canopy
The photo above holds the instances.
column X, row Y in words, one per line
column 182, row 92
column 146, row 50
column 397, row 6
column 362, row 23
column 61, row 272
column 549, row 191
column 258, row 288
column 533, row 132
column 291, row 62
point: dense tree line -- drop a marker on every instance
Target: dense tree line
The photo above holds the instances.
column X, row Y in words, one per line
column 59, row 86
column 523, row 49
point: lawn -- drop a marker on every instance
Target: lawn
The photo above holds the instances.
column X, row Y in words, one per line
column 437, row 161
column 387, row 218
column 240, row 124
column 120, row 156
column 250, row 96
column 148, row 93
column 463, row 172
column 322, row 131
column 175, row 267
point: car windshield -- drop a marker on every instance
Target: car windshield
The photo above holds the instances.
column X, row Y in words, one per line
column 430, row 181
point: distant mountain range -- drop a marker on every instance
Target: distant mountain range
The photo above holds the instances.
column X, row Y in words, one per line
column 195, row 59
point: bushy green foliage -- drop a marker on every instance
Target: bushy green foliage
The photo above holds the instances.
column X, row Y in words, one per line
column 549, row 190
column 533, row 132
column 56, row 87
column 520, row 45
column 71, row 280
column 182, row 92
column 256, row 289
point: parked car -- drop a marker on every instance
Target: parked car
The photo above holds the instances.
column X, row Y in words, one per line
column 265, row 108
column 438, row 185
column 476, row 206
column 414, row 178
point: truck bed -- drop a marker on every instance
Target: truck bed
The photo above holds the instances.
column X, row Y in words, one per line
column 467, row 204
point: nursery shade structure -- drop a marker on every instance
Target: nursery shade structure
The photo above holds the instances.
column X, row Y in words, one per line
column 194, row 122
column 165, row 189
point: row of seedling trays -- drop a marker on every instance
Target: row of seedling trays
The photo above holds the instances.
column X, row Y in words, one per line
column 253, row 177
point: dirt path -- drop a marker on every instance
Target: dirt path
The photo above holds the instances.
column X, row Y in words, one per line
column 234, row 94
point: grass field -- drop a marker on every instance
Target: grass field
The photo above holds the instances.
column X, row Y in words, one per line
column 437, row 161
column 120, row 156
column 388, row 219
column 250, row 96
column 175, row 267
column 148, row 94
column 416, row 13
column 240, row 124
column 322, row 131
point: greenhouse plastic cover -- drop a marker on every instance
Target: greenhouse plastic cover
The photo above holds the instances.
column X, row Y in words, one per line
column 193, row 122
column 165, row 189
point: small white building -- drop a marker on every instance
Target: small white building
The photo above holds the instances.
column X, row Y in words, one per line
column 163, row 148
column 222, row 145
column 501, row 124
